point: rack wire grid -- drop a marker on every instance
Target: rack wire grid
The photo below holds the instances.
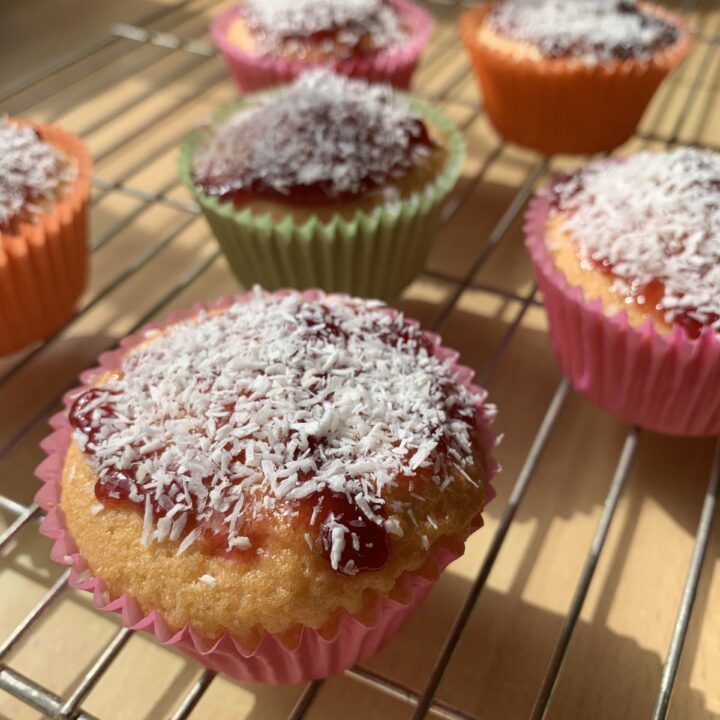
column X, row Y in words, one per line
column 593, row 590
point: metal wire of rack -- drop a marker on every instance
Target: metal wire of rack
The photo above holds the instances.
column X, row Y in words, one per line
column 165, row 33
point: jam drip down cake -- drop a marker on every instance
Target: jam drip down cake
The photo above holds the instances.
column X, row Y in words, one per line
column 316, row 30
column 324, row 143
column 291, row 456
column 592, row 32
column 34, row 174
column 643, row 234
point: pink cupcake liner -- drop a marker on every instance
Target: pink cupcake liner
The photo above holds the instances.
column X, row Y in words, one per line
column 394, row 66
column 271, row 661
column 666, row 383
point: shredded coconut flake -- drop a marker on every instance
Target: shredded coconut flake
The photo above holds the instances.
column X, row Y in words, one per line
column 189, row 539
column 327, row 132
column 181, row 392
column 31, row 170
column 147, row 521
column 652, row 217
column 593, row 30
column 338, row 545
column 350, row 20
column 242, row 543
column 209, row 580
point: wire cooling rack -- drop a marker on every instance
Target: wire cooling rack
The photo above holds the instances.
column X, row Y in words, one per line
column 576, row 599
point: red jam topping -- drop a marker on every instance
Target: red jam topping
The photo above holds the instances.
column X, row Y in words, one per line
column 651, row 222
column 366, row 545
column 88, row 411
column 325, row 139
column 324, row 415
column 649, row 298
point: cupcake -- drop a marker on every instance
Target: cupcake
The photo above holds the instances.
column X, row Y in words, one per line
column 627, row 255
column 270, row 42
column 561, row 76
column 271, row 482
column 44, row 193
column 329, row 183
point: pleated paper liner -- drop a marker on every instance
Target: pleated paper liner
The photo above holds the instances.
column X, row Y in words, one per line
column 374, row 254
column 666, row 383
column 293, row 657
column 43, row 268
column 394, row 66
column 567, row 106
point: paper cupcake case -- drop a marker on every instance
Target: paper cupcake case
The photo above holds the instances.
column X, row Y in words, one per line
column 394, row 66
column 564, row 106
column 43, row 268
column 375, row 254
column 315, row 654
column 666, row 383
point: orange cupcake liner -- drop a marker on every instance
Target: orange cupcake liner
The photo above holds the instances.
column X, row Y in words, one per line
column 566, row 106
column 44, row 265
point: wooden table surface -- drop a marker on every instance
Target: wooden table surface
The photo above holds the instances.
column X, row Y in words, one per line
column 132, row 101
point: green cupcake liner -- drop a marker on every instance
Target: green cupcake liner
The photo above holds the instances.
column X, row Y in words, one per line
column 375, row 254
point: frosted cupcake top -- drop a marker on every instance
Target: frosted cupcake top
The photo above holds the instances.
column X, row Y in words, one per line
column 652, row 221
column 32, row 172
column 591, row 30
column 331, row 415
column 352, row 24
column 325, row 138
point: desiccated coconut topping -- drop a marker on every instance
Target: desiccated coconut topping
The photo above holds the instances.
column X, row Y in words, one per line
column 593, row 30
column 31, row 171
column 285, row 407
column 653, row 219
column 348, row 20
column 324, row 138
